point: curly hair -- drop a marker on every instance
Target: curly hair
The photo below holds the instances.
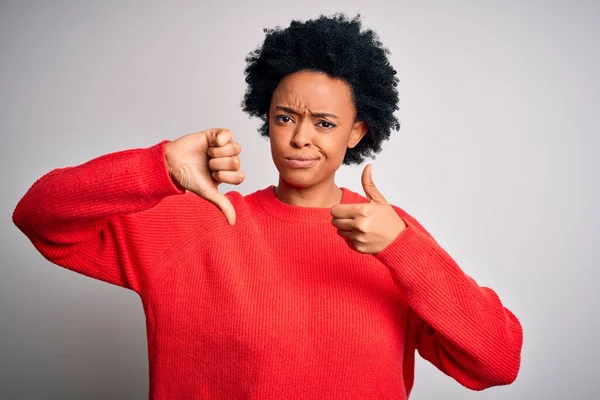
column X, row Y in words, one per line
column 337, row 47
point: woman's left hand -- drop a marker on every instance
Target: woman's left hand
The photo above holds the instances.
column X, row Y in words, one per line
column 368, row 227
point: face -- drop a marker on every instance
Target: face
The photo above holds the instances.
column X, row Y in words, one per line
column 311, row 125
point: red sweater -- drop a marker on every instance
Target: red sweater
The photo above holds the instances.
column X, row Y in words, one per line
column 276, row 306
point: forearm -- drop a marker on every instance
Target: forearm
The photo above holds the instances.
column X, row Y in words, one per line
column 98, row 218
column 66, row 203
column 475, row 339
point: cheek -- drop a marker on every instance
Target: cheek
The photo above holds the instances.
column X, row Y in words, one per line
column 277, row 144
column 277, row 141
column 275, row 151
column 334, row 148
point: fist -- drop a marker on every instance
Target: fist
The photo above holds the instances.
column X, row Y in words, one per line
column 369, row 227
column 201, row 161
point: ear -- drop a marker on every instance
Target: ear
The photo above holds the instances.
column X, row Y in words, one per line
column 359, row 130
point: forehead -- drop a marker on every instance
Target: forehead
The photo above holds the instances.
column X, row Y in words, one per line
column 315, row 91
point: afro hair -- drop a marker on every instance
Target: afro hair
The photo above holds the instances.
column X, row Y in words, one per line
column 337, row 47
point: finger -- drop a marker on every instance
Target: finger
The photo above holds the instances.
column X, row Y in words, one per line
column 353, row 238
column 230, row 177
column 224, row 164
column 218, row 137
column 348, row 236
column 369, row 187
column 230, row 149
column 222, row 202
column 344, row 224
column 344, row 211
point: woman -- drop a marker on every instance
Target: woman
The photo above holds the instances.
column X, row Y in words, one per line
column 304, row 290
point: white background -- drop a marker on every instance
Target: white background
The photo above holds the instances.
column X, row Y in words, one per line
column 496, row 157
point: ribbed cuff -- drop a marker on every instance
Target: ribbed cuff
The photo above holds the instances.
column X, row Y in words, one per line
column 156, row 180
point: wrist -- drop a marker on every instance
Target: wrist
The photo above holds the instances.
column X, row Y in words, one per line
column 168, row 149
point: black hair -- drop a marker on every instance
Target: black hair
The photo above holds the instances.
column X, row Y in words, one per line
column 337, row 47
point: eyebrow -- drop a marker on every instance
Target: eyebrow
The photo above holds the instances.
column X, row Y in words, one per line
column 317, row 114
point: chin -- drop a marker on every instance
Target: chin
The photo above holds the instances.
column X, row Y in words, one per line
column 298, row 179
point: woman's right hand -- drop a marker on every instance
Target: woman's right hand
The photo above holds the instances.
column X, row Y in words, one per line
column 201, row 161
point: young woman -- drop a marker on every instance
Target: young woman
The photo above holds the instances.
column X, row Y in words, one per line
column 303, row 290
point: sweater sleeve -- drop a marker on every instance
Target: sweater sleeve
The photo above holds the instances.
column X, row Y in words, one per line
column 463, row 329
column 101, row 218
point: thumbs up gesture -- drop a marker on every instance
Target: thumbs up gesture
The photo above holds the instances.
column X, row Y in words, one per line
column 368, row 227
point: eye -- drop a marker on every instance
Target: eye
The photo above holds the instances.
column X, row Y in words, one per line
column 326, row 124
column 284, row 119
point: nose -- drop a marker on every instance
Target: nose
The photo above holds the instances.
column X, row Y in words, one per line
column 302, row 135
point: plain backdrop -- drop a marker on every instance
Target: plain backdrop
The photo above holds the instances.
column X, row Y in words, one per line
column 497, row 157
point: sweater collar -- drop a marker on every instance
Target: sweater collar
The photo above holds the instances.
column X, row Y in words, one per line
column 274, row 207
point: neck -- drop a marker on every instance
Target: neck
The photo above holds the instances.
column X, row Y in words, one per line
column 323, row 195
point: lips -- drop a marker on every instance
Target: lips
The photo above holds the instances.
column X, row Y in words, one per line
column 302, row 158
column 301, row 161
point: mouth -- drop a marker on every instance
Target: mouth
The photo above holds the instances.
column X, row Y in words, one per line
column 301, row 161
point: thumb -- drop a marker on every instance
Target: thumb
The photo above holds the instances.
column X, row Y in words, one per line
column 369, row 187
column 222, row 202
column 218, row 137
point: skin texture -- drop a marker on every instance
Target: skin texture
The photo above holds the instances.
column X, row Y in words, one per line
column 312, row 123
column 313, row 116
column 199, row 162
column 368, row 227
column 340, row 47
column 298, row 128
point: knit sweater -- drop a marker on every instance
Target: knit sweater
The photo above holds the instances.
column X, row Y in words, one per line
column 277, row 306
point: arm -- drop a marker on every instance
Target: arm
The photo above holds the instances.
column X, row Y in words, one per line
column 100, row 218
column 463, row 329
